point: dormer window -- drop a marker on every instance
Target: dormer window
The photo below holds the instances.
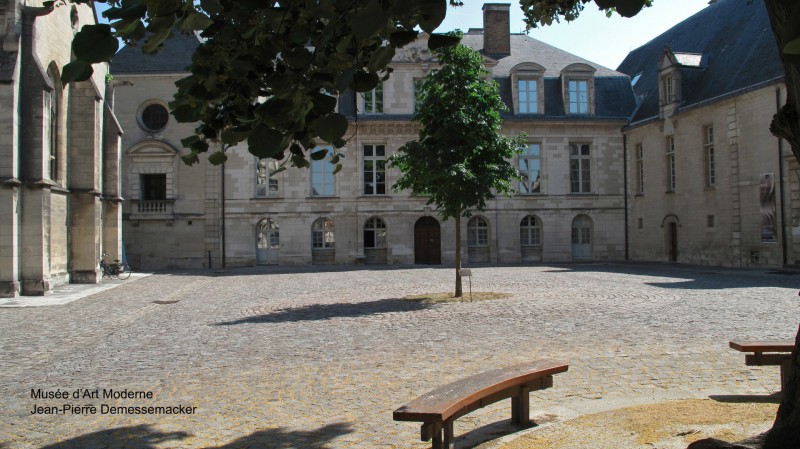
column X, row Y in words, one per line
column 578, row 97
column 578, row 87
column 527, row 84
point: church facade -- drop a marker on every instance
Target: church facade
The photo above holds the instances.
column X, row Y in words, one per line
column 59, row 155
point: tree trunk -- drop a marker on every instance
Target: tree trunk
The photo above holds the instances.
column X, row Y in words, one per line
column 785, row 432
column 458, row 257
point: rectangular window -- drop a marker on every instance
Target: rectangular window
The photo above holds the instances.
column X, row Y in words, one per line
column 670, row 162
column 528, row 97
column 154, row 187
column 322, row 174
column 710, row 221
column 669, row 89
column 580, row 171
column 530, row 169
column 639, row 169
column 710, row 157
column 266, row 184
column 418, row 82
column 578, row 97
column 640, row 223
column 373, row 100
column 374, row 170
column 50, row 119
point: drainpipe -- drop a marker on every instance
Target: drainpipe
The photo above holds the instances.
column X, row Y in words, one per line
column 222, row 209
column 780, row 181
column 625, row 187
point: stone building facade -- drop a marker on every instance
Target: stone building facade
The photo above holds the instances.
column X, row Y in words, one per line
column 570, row 207
column 708, row 183
column 59, row 155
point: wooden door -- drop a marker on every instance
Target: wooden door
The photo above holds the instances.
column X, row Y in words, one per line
column 427, row 242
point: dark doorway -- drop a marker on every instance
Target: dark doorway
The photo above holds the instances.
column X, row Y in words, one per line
column 427, row 242
column 672, row 241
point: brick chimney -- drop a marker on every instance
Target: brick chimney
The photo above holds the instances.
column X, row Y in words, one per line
column 496, row 29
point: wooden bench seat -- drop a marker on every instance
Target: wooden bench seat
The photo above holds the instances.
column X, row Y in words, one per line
column 439, row 408
column 768, row 353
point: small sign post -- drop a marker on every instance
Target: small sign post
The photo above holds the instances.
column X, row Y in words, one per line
column 468, row 273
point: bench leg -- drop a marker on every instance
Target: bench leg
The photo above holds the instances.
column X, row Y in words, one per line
column 448, row 442
column 520, row 407
column 786, row 372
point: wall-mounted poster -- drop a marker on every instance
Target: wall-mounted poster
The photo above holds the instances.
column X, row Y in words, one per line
column 767, row 199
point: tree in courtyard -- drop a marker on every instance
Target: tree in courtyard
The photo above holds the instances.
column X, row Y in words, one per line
column 461, row 159
column 300, row 53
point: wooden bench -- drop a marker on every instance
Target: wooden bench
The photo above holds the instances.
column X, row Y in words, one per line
column 439, row 408
column 768, row 353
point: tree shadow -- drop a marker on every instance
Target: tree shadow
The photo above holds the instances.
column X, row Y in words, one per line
column 283, row 439
column 132, row 437
column 146, row 437
column 319, row 312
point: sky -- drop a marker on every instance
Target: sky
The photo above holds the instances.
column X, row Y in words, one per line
column 593, row 36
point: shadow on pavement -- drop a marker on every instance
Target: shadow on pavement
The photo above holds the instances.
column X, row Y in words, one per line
column 317, row 312
column 133, row 437
column 146, row 437
column 774, row 398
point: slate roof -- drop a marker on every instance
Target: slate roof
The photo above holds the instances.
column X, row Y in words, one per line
column 174, row 57
column 738, row 53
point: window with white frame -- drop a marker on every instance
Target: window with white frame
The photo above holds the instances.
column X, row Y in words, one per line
column 375, row 233
column 322, row 234
column 670, row 164
column 373, row 100
column 710, row 156
column 530, row 169
column 639, row 169
column 528, row 96
column 266, row 183
column 530, row 231
column 477, row 232
column 374, row 170
column 668, row 88
column 580, row 168
column 418, row 91
column 322, row 180
column 50, row 125
column 578, row 91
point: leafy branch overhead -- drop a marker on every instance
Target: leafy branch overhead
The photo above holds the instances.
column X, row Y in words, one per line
column 267, row 72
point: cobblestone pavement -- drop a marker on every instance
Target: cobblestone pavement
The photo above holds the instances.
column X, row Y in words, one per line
column 319, row 358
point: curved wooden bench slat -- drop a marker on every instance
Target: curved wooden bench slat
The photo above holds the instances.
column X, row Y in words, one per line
column 763, row 346
column 448, row 400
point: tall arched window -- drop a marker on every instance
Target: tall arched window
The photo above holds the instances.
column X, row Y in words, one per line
column 322, row 234
column 477, row 232
column 530, row 231
column 375, row 233
column 50, row 124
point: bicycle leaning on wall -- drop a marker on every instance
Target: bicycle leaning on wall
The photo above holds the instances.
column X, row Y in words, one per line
column 117, row 269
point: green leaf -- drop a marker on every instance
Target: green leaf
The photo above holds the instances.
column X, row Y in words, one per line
column 363, row 81
column 369, row 20
column 154, row 43
column 133, row 30
column 402, row 38
column 76, row 70
column 266, row 142
column 188, row 141
column 217, row 158
column 629, row 8
column 131, row 10
column 324, row 104
column 319, row 155
column 95, row 43
column 196, row 21
column 212, row 6
column 331, row 127
column 380, row 58
column 433, row 13
column 337, row 169
column 190, row 159
column 793, row 47
column 437, row 41
column 345, row 80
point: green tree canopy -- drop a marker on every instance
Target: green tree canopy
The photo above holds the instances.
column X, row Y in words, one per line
column 461, row 158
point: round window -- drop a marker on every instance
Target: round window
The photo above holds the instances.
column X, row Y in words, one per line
column 155, row 117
